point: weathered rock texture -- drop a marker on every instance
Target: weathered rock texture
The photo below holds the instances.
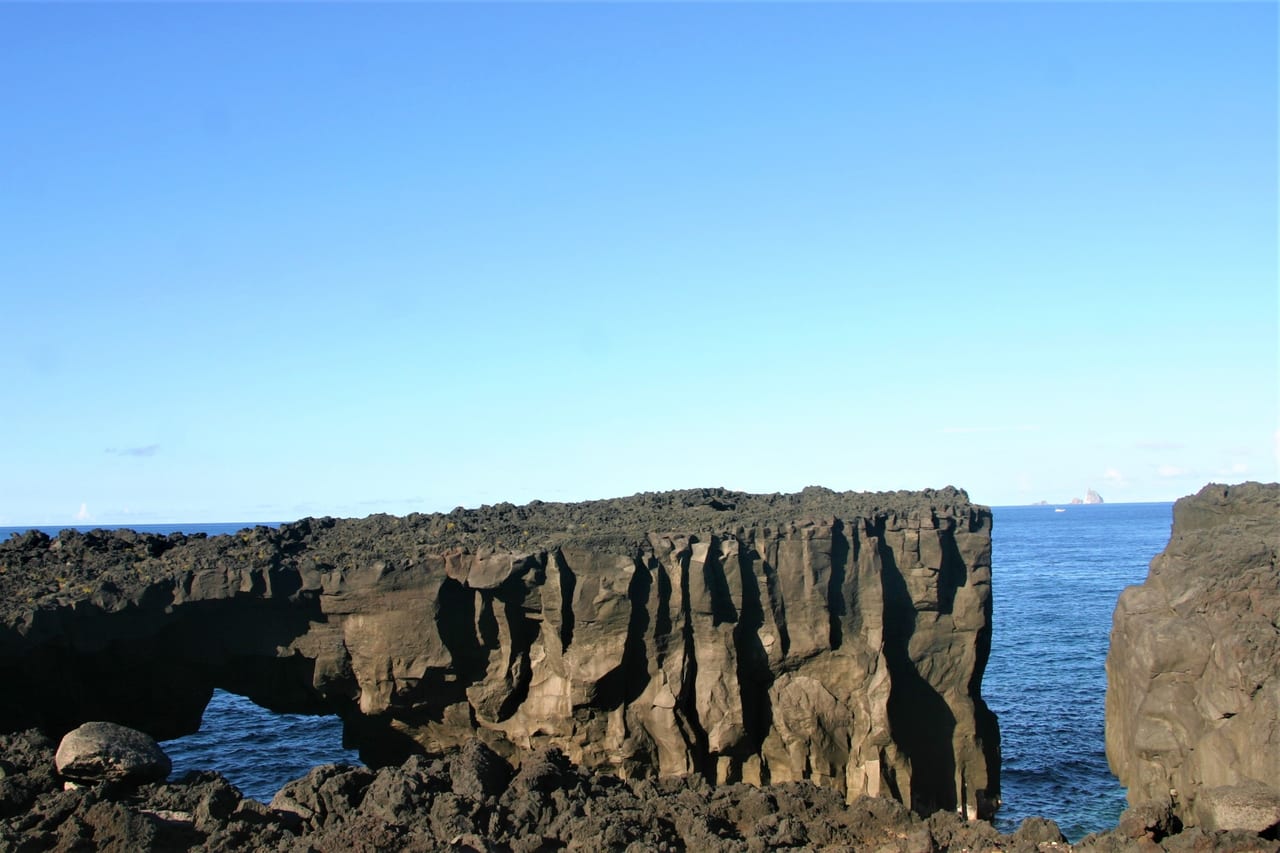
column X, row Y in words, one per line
column 837, row 638
column 421, row 806
column 1193, row 674
column 548, row 805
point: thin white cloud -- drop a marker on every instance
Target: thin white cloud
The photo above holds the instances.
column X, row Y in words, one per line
column 145, row 450
column 1006, row 428
column 83, row 513
column 1111, row 475
column 1170, row 471
column 1157, row 444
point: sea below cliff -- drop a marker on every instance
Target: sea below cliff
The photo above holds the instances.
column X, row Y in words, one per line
column 1055, row 580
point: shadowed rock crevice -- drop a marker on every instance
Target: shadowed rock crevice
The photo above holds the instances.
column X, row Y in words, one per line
column 823, row 636
column 923, row 724
column 713, row 576
column 456, row 620
column 835, row 586
column 696, row 734
column 754, row 675
column 568, row 583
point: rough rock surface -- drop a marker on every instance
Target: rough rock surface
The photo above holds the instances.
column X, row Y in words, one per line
column 1193, row 674
column 549, row 804
column 838, row 638
column 107, row 752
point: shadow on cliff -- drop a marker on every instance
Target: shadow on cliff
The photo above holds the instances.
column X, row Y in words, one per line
column 754, row 674
column 922, row 723
column 156, row 670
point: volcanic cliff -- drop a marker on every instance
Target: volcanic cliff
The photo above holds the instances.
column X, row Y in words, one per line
column 1193, row 674
column 833, row 637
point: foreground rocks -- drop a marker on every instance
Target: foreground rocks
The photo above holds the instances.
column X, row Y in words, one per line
column 838, row 638
column 473, row 800
column 1193, row 674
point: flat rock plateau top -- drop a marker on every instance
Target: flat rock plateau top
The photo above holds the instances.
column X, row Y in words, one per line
column 36, row 569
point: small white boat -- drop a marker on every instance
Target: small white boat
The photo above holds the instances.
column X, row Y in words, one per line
column 1059, row 509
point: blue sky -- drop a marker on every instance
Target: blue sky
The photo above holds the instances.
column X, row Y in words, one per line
column 265, row 261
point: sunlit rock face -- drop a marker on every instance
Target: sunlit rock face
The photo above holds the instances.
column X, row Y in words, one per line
column 1193, row 674
column 833, row 637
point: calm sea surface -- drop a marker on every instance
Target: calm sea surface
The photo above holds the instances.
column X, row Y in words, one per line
column 1055, row 581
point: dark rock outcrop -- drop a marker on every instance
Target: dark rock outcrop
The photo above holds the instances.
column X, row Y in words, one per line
column 1193, row 674
column 838, row 638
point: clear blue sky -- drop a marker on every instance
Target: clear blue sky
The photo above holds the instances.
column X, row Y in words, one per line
column 265, row 261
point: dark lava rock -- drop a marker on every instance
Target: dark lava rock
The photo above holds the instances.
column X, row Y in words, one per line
column 26, row 770
column 478, row 772
column 550, row 805
column 329, row 793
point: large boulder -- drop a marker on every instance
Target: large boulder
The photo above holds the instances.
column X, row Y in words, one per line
column 1193, row 673
column 1253, row 807
column 107, row 752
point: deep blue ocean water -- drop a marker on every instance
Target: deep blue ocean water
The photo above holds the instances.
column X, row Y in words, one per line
column 1056, row 576
column 1055, row 580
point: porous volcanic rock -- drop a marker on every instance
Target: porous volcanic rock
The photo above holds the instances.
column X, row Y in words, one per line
column 549, row 805
column 1193, row 673
column 838, row 638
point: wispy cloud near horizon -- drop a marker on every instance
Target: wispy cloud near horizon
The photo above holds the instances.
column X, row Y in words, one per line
column 1115, row 478
column 138, row 452
column 1156, row 444
column 953, row 430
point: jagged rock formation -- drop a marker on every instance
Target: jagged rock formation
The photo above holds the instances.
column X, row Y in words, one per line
column 419, row 806
column 837, row 638
column 1193, row 674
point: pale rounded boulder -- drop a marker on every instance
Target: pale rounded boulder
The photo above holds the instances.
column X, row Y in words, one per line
column 1252, row 806
column 108, row 752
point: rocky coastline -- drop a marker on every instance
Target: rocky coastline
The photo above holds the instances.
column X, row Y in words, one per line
column 522, row 738
column 473, row 800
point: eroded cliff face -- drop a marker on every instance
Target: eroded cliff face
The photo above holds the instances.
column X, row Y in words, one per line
column 1193, row 674
column 838, row 638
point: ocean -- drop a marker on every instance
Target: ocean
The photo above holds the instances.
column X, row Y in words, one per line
column 1055, row 580
column 1056, row 576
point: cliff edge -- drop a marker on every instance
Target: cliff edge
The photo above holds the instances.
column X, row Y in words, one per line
column 1193, row 673
column 838, row 638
